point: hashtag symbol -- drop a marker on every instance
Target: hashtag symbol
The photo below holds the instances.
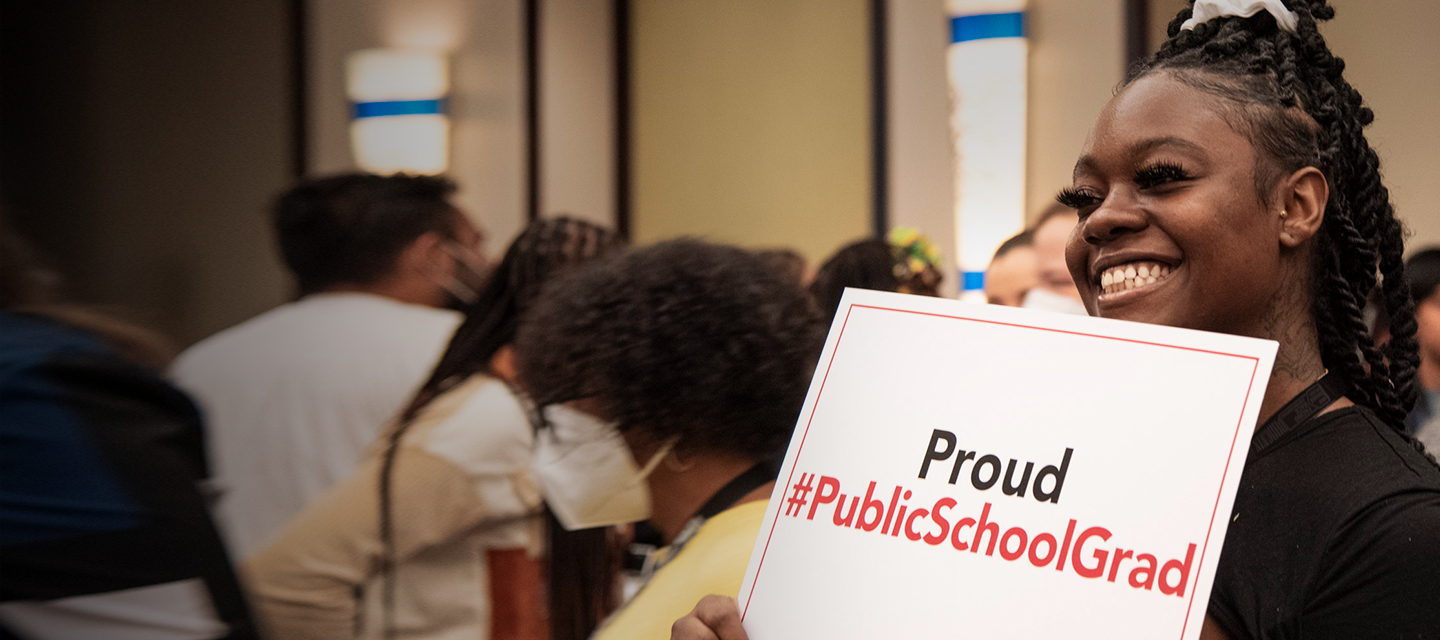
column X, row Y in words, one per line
column 800, row 497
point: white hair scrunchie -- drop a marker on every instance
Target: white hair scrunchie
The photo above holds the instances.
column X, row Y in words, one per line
column 1207, row 10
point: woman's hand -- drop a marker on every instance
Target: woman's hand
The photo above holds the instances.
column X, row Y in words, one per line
column 714, row 618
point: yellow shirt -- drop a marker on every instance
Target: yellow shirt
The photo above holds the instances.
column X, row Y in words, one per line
column 714, row 561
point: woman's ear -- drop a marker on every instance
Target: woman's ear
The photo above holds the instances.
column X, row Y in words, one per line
column 1303, row 196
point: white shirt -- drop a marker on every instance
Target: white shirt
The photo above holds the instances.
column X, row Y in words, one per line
column 463, row 497
column 293, row 396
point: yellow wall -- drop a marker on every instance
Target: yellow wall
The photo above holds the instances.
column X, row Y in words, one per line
column 751, row 122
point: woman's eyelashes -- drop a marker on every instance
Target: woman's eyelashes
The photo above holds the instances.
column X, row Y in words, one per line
column 1078, row 199
column 1160, row 173
column 1083, row 199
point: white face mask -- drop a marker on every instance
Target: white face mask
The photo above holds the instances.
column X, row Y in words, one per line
column 587, row 473
column 1046, row 300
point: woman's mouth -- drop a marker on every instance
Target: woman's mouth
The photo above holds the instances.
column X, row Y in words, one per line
column 1133, row 275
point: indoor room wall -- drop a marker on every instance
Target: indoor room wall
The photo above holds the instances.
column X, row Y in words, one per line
column 920, row 182
column 751, row 122
column 577, row 143
column 142, row 142
column 1077, row 57
column 1392, row 56
column 146, row 171
column 485, row 42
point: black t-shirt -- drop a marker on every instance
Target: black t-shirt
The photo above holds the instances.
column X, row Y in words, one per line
column 1335, row 534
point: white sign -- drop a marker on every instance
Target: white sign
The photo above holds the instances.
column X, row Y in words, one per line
column 975, row 471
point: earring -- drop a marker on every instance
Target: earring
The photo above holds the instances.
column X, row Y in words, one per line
column 1283, row 213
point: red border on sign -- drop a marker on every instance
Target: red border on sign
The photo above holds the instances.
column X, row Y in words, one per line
column 1228, row 459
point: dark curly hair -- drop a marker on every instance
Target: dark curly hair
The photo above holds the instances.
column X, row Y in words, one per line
column 350, row 228
column 682, row 338
column 1286, row 92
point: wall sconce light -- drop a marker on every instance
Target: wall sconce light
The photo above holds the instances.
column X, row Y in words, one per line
column 988, row 60
column 399, row 110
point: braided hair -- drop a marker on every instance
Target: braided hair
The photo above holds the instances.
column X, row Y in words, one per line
column 1286, row 92
column 546, row 248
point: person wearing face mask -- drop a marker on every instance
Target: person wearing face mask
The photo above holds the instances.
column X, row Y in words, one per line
column 1054, row 291
column 293, row 396
column 437, row 534
column 1229, row 187
column 669, row 381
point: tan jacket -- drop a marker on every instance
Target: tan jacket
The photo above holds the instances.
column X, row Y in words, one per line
column 466, row 532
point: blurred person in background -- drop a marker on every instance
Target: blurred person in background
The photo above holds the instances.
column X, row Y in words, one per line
column 668, row 381
column 1013, row 272
column 437, row 535
column 104, row 532
column 295, row 394
column 1422, row 272
column 864, row 264
column 789, row 263
column 917, row 262
column 907, row 262
column 1056, row 291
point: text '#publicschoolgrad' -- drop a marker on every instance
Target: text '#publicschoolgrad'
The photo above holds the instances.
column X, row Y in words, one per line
column 943, row 526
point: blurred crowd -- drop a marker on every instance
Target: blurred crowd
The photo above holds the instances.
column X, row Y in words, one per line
column 575, row 439
column 428, row 442
column 579, row 438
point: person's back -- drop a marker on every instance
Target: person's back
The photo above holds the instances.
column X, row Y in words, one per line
column 294, row 395
column 443, row 513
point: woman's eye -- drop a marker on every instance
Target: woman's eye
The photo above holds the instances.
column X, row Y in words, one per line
column 1078, row 199
column 1159, row 174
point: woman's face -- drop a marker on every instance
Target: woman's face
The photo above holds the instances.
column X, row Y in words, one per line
column 1171, row 228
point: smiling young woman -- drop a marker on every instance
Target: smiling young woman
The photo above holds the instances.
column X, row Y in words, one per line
column 1229, row 187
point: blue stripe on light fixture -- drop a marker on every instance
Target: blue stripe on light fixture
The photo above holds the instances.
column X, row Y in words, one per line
column 986, row 26
column 399, row 108
column 973, row 280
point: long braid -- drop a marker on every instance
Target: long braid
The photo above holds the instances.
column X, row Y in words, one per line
column 1300, row 110
column 543, row 250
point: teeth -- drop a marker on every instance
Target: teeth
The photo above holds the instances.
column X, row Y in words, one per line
column 1132, row 276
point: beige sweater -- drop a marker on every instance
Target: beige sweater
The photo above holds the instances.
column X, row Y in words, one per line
column 466, row 532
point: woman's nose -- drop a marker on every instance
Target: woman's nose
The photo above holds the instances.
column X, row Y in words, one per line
column 1118, row 215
